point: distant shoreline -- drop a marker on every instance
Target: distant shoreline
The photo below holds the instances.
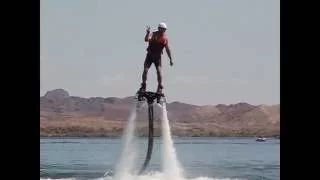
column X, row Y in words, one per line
column 62, row 115
column 119, row 137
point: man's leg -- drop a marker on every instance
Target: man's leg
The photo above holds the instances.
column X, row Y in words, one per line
column 159, row 74
column 147, row 64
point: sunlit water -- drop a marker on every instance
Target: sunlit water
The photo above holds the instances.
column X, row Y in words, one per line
column 200, row 158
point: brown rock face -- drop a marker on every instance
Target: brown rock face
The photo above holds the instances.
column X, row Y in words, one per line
column 65, row 115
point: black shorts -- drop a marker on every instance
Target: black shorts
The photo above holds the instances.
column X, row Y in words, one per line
column 151, row 58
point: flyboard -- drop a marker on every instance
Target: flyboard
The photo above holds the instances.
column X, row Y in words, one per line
column 150, row 98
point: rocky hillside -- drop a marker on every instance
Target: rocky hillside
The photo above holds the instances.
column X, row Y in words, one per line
column 65, row 115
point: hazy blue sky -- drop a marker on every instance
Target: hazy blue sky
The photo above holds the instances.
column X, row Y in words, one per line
column 224, row 51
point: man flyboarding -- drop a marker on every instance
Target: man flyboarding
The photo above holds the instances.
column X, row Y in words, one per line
column 157, row 42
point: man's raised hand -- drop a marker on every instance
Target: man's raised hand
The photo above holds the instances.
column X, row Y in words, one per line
column 148, row 29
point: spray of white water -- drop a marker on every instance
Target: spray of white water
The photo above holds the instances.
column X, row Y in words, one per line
column 154, row 176
column 127, row 158
column 170, row 164
column 162, row 176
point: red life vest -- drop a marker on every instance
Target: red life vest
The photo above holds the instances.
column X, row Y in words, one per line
column 157, row 42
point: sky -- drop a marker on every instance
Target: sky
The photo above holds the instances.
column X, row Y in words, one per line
column 224, row 51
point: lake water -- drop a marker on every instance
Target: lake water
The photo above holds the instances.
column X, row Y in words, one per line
column 200, row 158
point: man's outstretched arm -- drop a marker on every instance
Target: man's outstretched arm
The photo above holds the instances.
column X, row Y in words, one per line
column 146, row 37
column 169, row 53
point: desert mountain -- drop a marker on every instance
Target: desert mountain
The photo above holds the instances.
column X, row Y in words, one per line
column 62, row 114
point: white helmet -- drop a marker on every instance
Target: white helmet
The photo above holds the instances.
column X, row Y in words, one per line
column 162, row 25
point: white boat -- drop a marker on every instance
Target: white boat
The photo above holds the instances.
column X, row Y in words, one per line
column 261, row 139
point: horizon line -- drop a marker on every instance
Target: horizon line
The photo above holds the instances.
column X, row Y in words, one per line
column 261, row 104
